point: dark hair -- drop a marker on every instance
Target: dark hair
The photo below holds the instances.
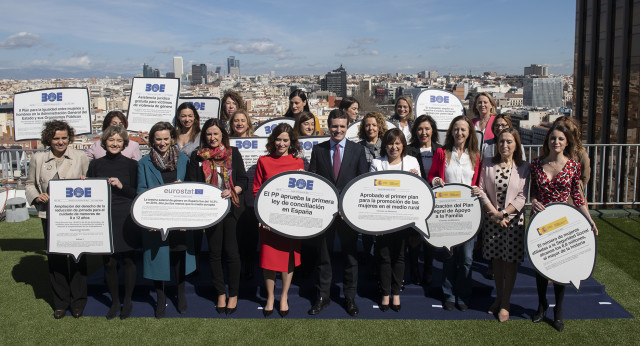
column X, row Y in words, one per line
column 210, row 123
column 161, row 126
column 572, row 124
column 517, row 154
column 390, row 137
column 434, row 129
column 347, row 102
column 380, row 120
column 303, row 117
column 236, row 98
column 303, row 96
column 491, row 100
column 50, row 129
column 471, row 146
column 195, row 128
column 570, row 151
column 395, row 114
column 114, row 130
column 505, row 117
column 114, row 114
column 294, row 147
column 337, row 114
column 246, row 116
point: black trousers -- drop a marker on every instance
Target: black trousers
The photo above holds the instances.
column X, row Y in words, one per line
column 390, row 253
column 222, row 238
column 111, row 275
column 68, row 278
column 324, row 248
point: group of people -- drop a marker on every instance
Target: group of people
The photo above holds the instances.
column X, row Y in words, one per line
column 496, row 169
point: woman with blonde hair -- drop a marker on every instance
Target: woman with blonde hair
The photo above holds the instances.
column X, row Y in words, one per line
column 403, row 116
column 240, row 124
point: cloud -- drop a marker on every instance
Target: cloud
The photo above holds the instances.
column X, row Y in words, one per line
column 365, row 40
column 21, row 40
column 444, row 48
column 171, row 50
column 361, row 51
column 224, row 40
column 82, row 62
column 259, row 47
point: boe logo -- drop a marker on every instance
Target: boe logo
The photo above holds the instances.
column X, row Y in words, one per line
column 247, row 144
column 439, row 99
column 301, row 184
column 198, row 105
column 307, row 145
column 78, row 192
column 51, row 97
column 269, row 129
column 155, row 88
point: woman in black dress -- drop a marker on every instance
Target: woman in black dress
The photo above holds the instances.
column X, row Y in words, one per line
column 122, row 174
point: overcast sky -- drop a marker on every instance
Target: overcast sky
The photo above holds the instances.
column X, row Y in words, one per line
column 92, row 38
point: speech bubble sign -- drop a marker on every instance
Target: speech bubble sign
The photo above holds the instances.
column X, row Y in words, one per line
column 456, row 218
column 179, row 206
column 561, row 245
column 207, row 107
column 79, row 217
column 297, row 204
column 354, row 128
column 387, row 201
column 264, row 128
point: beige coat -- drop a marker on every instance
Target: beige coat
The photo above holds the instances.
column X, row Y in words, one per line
column 42, row 168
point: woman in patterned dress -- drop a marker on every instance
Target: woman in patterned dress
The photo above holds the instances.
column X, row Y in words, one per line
column 556, row 177
column 503, row 182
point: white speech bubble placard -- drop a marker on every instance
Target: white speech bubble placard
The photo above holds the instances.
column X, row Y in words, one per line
column 385, row 202
column 354, row 128
column 179, row 206
column 297, row 204
column 561, row 245
column 152, row 100
column 79, row 217
column 35, row 107
column 207, row 107
column 264, row 128
column 456, row 217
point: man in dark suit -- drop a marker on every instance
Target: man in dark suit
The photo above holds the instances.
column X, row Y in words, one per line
column 338, row 160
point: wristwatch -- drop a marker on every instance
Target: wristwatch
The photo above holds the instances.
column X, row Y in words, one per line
column 505, row 215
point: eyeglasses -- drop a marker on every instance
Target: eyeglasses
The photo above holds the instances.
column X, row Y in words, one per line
column 502, row 126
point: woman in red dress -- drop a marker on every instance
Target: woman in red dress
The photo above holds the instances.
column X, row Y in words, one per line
column 555, row 176
column 278, row 253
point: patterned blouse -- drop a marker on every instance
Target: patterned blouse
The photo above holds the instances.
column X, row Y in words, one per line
column 566, row 183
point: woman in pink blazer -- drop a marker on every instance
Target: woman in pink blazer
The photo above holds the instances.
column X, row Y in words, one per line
column 503, row 181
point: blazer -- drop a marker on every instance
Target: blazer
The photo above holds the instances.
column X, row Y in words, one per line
column 238, row 176
column 518, row 184
column 354, row 163
column 439, row 163
column 488, row 132
column 42, row 168
column 414, row 150
column 156, row 252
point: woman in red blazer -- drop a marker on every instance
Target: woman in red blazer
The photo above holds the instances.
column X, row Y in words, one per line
column 458, row 161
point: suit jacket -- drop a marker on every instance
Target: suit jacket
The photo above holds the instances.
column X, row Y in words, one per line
column 156, row 252
column 238, row 176
column 414, row 150
column 42, row 168
column 354, row 163
column 518, row 184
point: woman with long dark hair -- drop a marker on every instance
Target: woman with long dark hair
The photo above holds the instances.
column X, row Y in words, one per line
column 187, row 122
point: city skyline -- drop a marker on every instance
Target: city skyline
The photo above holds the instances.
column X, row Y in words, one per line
column 117, row 38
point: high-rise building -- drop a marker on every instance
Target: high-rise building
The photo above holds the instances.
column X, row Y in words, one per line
column 233, row 66
column 536, row 70
column 335, row 81
column 147, row 71
column 542, row 92
column 178, row 66
column 199, row 74
column 156, row 73
column 170, row 75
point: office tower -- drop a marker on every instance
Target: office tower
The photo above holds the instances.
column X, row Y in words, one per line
column 178, row 66
column 198, row 74
column 536, row 70
column 218, row 68
column 335, row 81
column 170, row 75
column 147, row 71
column 542, row 92
column 233, row 66
column 156, row 73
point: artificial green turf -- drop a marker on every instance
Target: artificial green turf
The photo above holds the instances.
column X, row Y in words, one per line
column 26, row 316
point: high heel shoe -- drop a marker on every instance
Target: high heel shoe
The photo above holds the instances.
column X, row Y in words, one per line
column 267, row 313
column 126, row 310
column 220, row 309
column 541, row 313
column 113, row 311
column 283, row 313
column 557, row 320
column 229, row 311
column 384, row 307
column 395, row 307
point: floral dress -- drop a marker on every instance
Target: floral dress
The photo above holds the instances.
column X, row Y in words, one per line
column 506, row 244
column 564, row 185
